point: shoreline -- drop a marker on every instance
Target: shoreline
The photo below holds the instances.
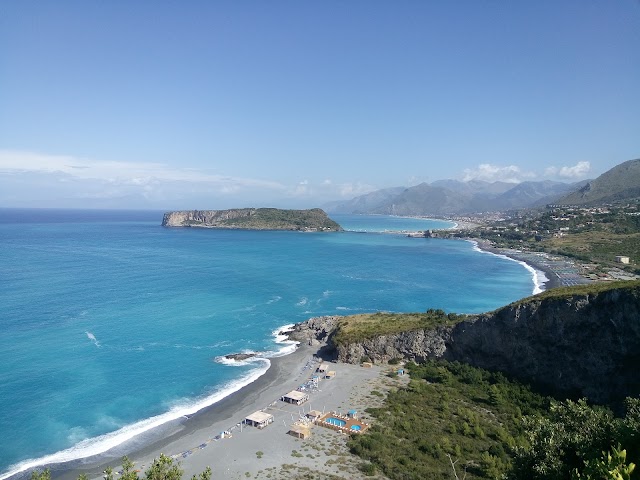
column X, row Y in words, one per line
column 550, row 278
column 161, row 438
column 194, row 441
column 149, row 430
column 169, row 436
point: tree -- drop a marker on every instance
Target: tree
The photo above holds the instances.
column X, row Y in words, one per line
column 561, row 443
column 163, row 468
column 611, row 466
column 38, row 475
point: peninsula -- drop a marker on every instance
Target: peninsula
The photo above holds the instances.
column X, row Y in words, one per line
column 313, row 220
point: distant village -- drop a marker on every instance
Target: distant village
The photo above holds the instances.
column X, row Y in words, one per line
column 599, row 243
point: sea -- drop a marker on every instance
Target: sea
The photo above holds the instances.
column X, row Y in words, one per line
column 112, row 325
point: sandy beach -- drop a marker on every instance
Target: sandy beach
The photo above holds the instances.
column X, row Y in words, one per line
column 267, row 453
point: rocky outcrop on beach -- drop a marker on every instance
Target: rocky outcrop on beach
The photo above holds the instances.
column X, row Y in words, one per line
column 238, row 357
column 314, row 219
column 582, row 341
column 315, row 331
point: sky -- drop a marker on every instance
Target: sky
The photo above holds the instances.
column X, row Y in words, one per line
column 222, row 104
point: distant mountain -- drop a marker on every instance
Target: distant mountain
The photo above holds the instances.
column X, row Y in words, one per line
column 364, row 203
column 531, row 194
column 620, row 183
column 475, row 186
column 446, row 197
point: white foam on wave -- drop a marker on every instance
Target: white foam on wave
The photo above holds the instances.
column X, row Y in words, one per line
column 98, row 445
column 93, row 338
column 101, row 444
column 281, row 337
column 538, row 277
column 303, row 301
column 274, row 299
column 231, row 362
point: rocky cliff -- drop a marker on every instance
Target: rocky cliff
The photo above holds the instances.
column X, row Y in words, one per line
column 253, row 219
column 583, row 341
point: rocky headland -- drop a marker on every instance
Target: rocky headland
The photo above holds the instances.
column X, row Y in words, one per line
column 580, row 342
column 314, row 219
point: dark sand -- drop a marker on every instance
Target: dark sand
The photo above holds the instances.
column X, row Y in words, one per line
column 235, row 457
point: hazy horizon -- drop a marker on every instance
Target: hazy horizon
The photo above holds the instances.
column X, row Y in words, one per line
column 293, row 105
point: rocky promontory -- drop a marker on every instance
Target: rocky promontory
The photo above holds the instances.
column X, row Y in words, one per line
column 313, row 220
column 579, row 341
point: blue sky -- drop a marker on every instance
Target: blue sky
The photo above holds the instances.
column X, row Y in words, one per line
column 216, row 104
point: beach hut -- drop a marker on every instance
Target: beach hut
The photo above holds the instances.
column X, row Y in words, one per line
column 259, row 419
column 352, row 413
column 300, row 431
column 314, row 415
column 295, row 397
column 330, row 374
column 323, row 368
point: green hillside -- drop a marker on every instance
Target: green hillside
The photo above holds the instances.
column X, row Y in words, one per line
column 620, row 183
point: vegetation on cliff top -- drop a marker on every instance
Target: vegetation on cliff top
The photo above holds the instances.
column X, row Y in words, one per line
column 356, row 328
column 274, row 218
column 581, row 290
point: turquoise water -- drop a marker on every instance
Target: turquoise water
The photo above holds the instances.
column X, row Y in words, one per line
column 355, row 427
column 336, row 421
column 111, row 324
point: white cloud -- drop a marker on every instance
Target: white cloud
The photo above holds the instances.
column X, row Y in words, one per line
column 327, row 190
column 124, row 173
column 34, row 179
column 493, row 173
column 576, row 172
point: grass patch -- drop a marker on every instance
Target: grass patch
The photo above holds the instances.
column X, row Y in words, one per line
column 580, row 290
column 356, row 328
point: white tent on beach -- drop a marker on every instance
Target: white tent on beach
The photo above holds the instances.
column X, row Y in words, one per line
column 295, row 397
column 259, row 419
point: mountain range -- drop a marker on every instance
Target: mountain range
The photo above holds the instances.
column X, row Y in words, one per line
column 446, row 197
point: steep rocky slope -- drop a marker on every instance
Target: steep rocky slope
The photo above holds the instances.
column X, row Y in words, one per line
column 621, row 183
column 581, row 344
column 583, row 341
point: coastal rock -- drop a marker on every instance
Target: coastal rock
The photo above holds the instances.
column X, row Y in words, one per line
column 574, row 344
column 314, row 331
column 239, row 356
column 580, row 345
column 416, row 346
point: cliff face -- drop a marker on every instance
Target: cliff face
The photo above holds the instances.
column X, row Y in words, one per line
column 194, row 218
column 253, row 219
column 416, row 346
column 577, row 345
column 585, row 345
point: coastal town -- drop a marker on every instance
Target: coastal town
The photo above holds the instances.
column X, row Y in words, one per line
column 572, row 245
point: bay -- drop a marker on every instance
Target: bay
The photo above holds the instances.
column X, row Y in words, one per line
column 111, row 324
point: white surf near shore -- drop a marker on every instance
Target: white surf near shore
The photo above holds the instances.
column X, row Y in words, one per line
column 103, row 443
column 539, row 278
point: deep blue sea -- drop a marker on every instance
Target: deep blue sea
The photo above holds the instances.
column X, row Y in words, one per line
column 111, row 324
